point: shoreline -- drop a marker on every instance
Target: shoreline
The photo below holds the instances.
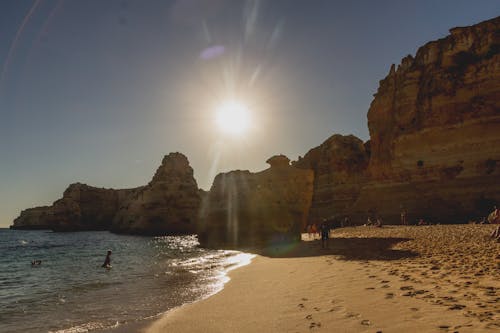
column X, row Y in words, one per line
column 369, row 291
column 240, row 259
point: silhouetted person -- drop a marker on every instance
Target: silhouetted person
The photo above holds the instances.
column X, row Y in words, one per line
column 496, row 234
column 325, row 234
column 107, row 261
column 403, row 217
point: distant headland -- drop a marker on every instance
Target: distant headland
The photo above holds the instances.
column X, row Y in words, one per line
column 433, row 153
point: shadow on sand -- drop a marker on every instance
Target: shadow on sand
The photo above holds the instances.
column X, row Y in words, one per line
column 345, row 248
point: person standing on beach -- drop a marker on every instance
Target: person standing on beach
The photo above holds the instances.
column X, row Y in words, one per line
column 314, row 230
column 325, row 234
column 107, row 261
column 494, row 217
column 403, row 217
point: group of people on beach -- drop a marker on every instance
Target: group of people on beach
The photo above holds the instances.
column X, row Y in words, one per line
column 323, row 231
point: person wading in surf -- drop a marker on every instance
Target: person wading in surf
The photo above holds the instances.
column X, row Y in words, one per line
column 107, row 261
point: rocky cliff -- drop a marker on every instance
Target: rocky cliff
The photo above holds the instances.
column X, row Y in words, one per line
column 339, row 166
column 434, row 152
column 167, row 205
column 82, row 207
column 254, row 209
column 435, row 130
column 434, row 146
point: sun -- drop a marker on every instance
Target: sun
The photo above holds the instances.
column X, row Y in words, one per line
column 233, row 117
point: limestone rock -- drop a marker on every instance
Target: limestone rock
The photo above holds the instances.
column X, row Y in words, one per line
column 254, row 209
column 82, row 207
column 339, row 166
column 167, row 205
column 435, row 131
column 33, row 219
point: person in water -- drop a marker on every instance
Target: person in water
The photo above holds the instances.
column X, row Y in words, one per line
column 107, row 261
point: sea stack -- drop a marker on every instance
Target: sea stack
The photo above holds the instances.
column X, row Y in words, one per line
column 167, row 205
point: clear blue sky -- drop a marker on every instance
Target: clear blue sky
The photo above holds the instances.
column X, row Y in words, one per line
column 98, row 91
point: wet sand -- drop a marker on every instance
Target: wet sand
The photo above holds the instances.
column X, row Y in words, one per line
column 390, row 279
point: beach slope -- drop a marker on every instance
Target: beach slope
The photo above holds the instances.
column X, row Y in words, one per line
column 391, row 279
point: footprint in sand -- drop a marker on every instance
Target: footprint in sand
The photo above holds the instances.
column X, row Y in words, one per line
column 406, row 288
column 456, row 307
column 336, row 308
column 313, row 325
column 309, row 317
column 389, row 295
column 352, row 315
column 316, row 309
column 366, row 322
column 301, row 305
column 385, row 286
column 304, row 299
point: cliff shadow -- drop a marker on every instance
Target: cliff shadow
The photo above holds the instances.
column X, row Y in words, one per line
column 345, row 248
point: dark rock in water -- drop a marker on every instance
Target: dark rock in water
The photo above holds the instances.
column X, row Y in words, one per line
column 167, row 205
column 246, row 209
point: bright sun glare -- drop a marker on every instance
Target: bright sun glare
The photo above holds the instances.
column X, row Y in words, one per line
column 233, row 117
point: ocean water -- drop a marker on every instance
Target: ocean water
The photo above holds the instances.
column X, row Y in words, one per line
column 70, row 292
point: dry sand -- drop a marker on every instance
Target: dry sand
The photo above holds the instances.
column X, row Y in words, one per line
column 390, row 279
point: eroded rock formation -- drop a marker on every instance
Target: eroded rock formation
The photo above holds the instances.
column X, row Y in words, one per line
column 434, row 147
column 167, row 205
column 435, row 130
column 82, row 207
column 434, row 152
column 254, row 209
column 339, row 166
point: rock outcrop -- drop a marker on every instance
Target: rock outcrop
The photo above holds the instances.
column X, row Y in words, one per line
column 245, row 209
column 434, row 148
column 33, row 219
column 82, row 207
column 434, row 152
column 167, row 205
column 339, row 166
column 435, row 130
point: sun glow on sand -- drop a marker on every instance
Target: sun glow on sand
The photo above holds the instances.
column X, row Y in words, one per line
column 233, row 117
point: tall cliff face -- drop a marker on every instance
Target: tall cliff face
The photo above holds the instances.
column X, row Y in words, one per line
column 450, row 87
column 435, row 130
column 254, row 209
column 339, row 166
column 82, row 207
column 167, row 205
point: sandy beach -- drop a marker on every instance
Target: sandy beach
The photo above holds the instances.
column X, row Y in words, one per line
column 390, row 279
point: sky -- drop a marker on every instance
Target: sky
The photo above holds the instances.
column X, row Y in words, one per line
column 99, row 91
